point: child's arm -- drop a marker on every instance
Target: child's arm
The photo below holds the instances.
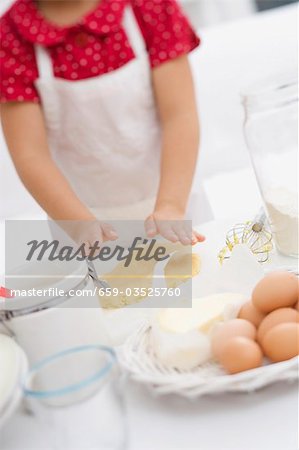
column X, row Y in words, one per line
column 177, row 109
column 25, row 134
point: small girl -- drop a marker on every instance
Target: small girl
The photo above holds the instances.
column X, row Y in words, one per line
column 99, row 114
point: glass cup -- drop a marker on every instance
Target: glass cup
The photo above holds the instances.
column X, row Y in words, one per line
column 75, row 397
column 271, row 131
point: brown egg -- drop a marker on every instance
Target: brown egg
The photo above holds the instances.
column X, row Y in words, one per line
column 228, row 330
column 251, row 313
column 282, row 342
column 276, row 290
column 239, row 354
column 296, row 306
column 281, row 315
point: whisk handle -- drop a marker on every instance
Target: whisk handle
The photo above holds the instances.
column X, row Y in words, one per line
column 260, row 218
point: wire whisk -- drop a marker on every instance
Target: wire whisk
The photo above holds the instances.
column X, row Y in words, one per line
column 254, row 234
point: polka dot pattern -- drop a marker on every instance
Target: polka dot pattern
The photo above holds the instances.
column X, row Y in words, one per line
column 96, row 45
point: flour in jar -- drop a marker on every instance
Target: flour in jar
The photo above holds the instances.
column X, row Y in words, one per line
column 282, row 205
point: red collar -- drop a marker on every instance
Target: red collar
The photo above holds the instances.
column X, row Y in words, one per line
column 32, row 25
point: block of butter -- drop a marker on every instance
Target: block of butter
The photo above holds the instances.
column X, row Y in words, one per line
column 205, row 312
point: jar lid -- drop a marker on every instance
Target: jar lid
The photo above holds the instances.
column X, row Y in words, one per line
column 14, row 365
column 37, row 286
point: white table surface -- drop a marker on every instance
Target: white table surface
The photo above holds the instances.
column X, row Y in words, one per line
column 263, row 420
column 266, row 419
column 238, row 53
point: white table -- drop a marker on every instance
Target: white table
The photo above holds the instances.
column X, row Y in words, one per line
column 232, row 56
column 263, row 420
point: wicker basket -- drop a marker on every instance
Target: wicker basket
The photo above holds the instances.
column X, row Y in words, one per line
column 137, row 358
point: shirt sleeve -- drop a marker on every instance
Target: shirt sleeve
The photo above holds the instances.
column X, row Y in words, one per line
column 18, row 69
column 166, row 30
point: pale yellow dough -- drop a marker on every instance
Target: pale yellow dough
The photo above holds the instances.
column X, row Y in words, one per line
column 139, row 274
column 181, row 267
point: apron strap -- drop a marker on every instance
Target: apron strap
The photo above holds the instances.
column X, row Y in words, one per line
column 44, row 63
column 134, row 33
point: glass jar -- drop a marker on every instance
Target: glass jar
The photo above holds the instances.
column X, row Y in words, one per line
column 75, row 400
column 271, row 132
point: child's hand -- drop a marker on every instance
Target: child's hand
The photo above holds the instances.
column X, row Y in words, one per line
column 90, row 233
column 97, row 232
column 170, row 224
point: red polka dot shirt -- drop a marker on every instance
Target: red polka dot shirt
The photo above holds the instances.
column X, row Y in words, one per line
column 95, row 45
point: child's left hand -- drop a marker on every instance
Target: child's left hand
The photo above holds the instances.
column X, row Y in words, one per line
column 170, row 224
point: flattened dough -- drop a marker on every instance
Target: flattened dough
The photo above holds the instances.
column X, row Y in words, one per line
column 139, row 274
column 181, row 267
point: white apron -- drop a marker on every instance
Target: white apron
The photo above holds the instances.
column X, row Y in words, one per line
column 105, row 136
column 104, row 133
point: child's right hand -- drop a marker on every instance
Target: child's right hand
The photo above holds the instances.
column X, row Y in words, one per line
column 96, row 233
column 90, row 233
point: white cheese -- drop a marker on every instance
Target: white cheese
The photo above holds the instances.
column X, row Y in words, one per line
column 180, row 336
column 183, row 351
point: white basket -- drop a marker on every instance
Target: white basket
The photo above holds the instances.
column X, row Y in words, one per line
column 137, row 358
